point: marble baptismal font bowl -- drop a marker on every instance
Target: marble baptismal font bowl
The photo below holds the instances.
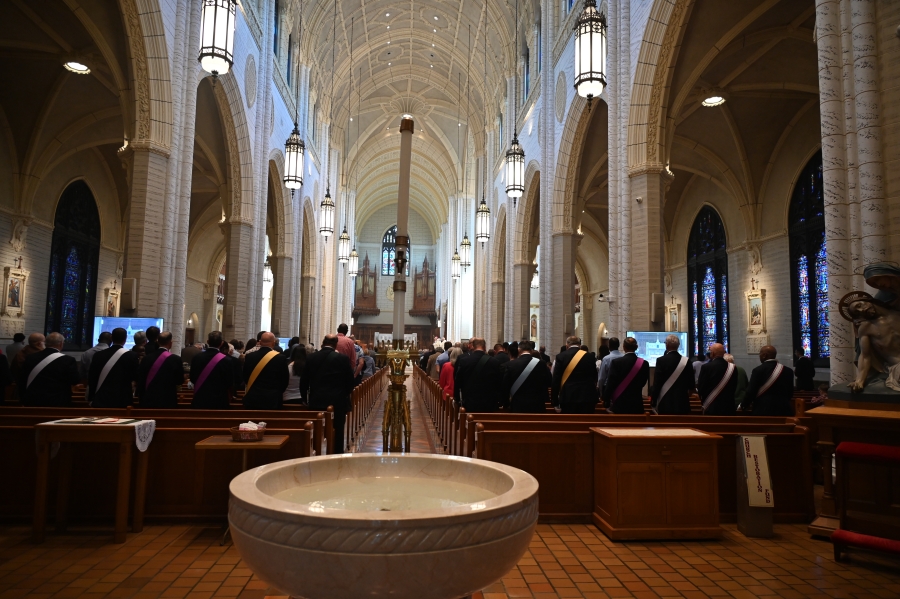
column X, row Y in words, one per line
column 404, row 526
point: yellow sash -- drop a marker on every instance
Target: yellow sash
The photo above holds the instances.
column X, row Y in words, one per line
column 259, row 367
column 575, row 360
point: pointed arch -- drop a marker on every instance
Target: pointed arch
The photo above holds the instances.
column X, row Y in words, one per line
column 707, row 281
column 568, row 161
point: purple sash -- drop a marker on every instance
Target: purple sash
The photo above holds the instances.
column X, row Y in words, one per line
column 209, row 368
column 156, row 366
column 624, row 384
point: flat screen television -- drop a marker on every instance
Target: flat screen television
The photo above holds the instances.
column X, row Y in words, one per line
column 132, row 325
column 652, row 344
column 284, row 342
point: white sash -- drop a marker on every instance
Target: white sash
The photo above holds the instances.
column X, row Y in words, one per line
column 523, row 376
column 720, row 387
column 109, row 366
column 40, row 366
column 779, row 368
column 672, row 378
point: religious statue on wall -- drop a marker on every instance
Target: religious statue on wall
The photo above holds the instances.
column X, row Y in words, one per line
column 876, row 325
column 14, row 284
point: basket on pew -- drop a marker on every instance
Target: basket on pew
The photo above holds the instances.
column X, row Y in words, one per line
column 247, row 435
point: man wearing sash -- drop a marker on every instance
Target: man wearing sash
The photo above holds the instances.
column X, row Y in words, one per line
column 574, row 387
column 673, row 381
column 527, row 381
column 112, row 373
column 478, row 380
column 624, row 391
column 213, row 375
column 326, row 381
column 160, row 372
column 771, row 388
column 266, row 376
column 46, row 377
column 717, row 384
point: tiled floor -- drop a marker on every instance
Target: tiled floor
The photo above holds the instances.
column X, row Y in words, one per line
column 563, row 561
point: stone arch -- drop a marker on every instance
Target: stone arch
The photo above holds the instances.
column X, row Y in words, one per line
column 665, row 26
column 567, row 164
column 525, row 212
column 240, row 160
column 284, row 242
column 308, row 258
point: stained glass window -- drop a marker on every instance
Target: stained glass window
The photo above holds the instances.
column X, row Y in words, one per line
column 389, row 253
column 71, row 285
column 809, row 265
column 708, row 282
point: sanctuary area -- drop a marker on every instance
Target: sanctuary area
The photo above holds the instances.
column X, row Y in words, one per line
column 450, row 299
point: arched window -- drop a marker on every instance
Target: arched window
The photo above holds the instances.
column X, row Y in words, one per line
column 389, row 252
column 72, row 282
column 707, row 282
column 809, row 264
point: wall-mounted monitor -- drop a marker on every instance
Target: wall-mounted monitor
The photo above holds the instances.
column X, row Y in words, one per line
column 284, row 342
column 132, row 325
column 652, row 344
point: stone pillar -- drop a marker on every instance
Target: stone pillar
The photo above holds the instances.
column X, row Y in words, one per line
column 613, row 126
column 553, row 266
column 498, row 304
column 522, row 275
column 238, row 244
column 407, row 127
column 308, row 287
column 282, row 276
column 648, row 188
column 560, row 279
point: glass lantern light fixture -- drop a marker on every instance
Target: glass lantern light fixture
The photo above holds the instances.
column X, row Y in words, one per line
column 454, row 266
column 344, row 247
column 326, row 216
column 353, row 270
column 294, row 149
column 465, row 252
column 482, row 222
column 590, row 52
column 515, row 170
column 217, row 36
column 535, row 280
column 267, row 272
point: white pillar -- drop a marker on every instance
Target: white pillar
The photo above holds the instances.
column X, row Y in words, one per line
column 406, row 133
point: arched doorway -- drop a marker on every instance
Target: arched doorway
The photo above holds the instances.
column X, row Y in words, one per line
column 72, row 280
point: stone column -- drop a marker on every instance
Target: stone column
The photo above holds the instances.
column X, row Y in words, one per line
column 648, row 188
column 613, row 126
column 560, row 302
column 282, row 275
column 498, row 312
column 238, row 243
column 522, row 275
column 308, row 287
column 553, row 265
column 407, row 127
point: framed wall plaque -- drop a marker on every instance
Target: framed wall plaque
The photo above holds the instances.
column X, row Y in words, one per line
column 756, row 311
column 14, row 280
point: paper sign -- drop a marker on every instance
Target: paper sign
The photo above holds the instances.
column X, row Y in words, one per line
column 756, row 469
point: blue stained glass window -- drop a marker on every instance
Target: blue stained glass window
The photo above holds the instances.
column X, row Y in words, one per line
column 72, row 280
column 707, row 282
column 809, row 260
column 389, row 253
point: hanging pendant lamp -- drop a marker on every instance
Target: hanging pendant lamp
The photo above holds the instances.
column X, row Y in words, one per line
column 454, row 266
column 482, row 222
column 344, row 247
column 294, row 149
column 515, row 156
column 353, row 269
column 590, row 52
column 326, row 216
column 465, row 252
column 217, row 36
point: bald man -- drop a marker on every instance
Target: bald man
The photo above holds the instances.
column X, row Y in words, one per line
column 35, row 345
column 717, row 383
column 47, row 376
column 771, row 388
column 266, row 376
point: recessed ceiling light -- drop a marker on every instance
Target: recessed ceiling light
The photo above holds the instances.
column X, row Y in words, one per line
column 387, row 14
column 432, row 66
column 714, row 101
column 712, row 96
column 389, row 64
column 389, row 43
column 432, row 45
column 435, row 30
column 435, row 18
column 77, row 67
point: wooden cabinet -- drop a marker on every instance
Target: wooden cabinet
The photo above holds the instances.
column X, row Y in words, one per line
column 655, row 483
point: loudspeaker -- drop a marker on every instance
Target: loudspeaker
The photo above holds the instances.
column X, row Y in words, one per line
column 128, row 298
column 657, row 308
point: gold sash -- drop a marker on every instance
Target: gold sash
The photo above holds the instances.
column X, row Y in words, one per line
column 259, row 367
column 575, row 360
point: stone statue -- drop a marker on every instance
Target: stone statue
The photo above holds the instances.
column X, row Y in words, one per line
column 876, row 323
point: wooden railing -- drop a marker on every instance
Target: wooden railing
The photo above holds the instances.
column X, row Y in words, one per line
column 362, row 400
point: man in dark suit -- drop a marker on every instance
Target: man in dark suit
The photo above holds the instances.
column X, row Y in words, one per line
column 326, row 381
column 54, row 375
column 717, row 383
column 771, row 388
column 677, row 396
column 531, row 393
column 501, row 355
column 478, row 380
column 213, row 376
column 269, row 374
column 574, row 390
column 160, row 373
column 624, row 390
column 112, row 373
column 805, row 371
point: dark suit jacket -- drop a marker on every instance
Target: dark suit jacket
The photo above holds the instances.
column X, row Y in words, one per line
column 711, row 375
column 116, row 391
column 581, row 386
column 478, row 391
column 327, row 380
column 532, row 395
column 267, row 392
column 163, row 389
column 806, row 372
column 52, row 387
column 678, row 399
column 778, row 399
column 631, row 401
column 214, row 392
column 503, row 357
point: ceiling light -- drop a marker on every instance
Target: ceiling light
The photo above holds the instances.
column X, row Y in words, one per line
column 712, row 96
column 387, row 14
column 217, row 36
column 432, row 45
column 714, row 101
column 432, row 66
column 389, row 64
column 435, row 30
column 435, row 18
column 77, row 67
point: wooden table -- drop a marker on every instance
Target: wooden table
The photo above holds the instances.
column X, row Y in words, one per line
column 654, row 483
column 123, row 434
column 837, row 424
column 226, row 442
